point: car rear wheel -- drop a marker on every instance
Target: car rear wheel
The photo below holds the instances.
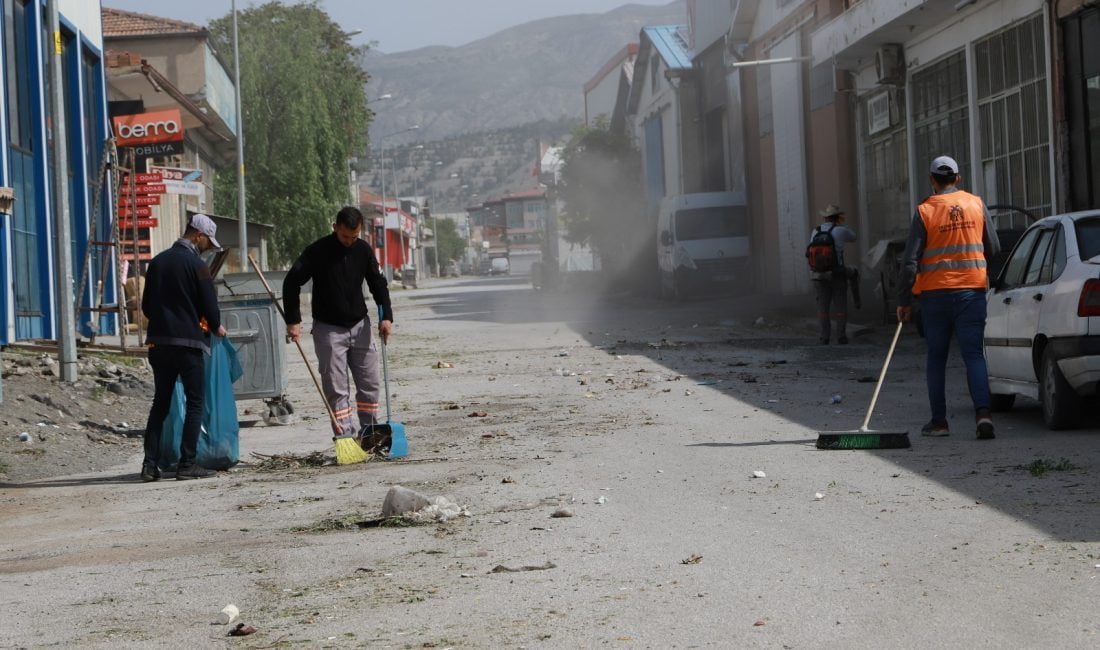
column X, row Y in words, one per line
column 1001, row 403
column 1061, row 405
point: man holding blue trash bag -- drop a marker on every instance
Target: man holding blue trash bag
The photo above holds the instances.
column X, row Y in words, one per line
column 181, row 306
column 338, row 264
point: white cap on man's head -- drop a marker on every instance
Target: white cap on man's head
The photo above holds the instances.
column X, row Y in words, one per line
column 944, row 165
column 206, row 226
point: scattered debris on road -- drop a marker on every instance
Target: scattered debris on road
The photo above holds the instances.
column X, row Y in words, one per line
column 694, row 558
column 500, row 568
column 242, row 630
column 759, row 474
column 228, row 614
column 562, row 513
column 278, row 462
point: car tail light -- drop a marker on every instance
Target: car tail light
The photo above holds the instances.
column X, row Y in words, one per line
column 1090, row 299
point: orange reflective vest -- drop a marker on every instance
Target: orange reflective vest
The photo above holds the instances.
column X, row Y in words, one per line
column 954, row 257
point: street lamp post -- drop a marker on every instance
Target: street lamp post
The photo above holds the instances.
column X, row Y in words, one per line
column 242, row 224
column 385, row 214
column 66, row 301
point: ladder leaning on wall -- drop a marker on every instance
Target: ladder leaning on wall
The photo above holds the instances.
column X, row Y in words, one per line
column 109, row 250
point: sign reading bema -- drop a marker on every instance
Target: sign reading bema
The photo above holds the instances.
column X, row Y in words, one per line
column 149, row 128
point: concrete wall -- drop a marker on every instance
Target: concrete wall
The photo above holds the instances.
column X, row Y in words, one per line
column 792, row 222
column 662, row 102
column 182, row 59
column 85, row 16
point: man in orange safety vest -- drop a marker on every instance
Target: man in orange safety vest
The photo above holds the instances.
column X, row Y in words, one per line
column 950, row 239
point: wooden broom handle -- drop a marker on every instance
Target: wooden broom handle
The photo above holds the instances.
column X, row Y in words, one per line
column 881, row 376
column 316, row 382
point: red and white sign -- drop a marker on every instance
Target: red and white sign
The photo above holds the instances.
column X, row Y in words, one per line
column 149, row 128
column 129, row 213
column 143, row 222
column 140, row 199
column 149, row 188
column 147, row 177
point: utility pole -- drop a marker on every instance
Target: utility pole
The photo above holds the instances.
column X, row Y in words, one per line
column 66, row 302
column 242, row 223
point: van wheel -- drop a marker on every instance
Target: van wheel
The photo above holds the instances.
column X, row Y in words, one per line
column 1061, row 405
column 1001, row 403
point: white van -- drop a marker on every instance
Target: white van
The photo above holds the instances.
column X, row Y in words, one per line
column 703, row 243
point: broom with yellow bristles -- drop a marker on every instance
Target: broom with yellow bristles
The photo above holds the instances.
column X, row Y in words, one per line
column 348, row 451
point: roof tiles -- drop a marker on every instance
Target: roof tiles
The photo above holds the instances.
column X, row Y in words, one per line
column 117, row 22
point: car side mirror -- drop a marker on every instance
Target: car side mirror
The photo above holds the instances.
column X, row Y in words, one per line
column 666, row 238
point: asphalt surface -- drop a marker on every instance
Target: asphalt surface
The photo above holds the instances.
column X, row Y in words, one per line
column 646, row 421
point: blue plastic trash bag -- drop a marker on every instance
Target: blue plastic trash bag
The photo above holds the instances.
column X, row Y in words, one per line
column 219, row 440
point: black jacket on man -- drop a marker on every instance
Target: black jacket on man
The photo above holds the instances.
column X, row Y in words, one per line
column 337, row 272
column 179, row 292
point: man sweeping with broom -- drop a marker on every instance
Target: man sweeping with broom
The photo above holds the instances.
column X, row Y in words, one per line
column 950, row 239
column 338, row 264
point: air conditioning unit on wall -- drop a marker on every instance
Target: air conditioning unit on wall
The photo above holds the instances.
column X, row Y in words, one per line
column 890, row 64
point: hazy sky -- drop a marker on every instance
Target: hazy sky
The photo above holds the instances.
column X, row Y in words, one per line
column 400, row 24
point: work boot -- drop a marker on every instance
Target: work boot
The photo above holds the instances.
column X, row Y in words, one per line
column 985, row 425
column 936, row 429
column 150, row 472
column 193, row 471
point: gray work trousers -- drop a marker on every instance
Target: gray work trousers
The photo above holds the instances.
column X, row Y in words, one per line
column 832, row 303
column 342, row 351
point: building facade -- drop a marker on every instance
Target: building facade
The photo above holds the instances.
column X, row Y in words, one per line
column 159, row 64
column 28, row 268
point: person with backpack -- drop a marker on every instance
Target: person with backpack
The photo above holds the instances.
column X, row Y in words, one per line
column 831, row 277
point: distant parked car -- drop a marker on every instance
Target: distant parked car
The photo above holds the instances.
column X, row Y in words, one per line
column 501, row 266
column 1042, row 334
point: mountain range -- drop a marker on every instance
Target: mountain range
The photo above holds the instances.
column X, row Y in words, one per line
column 523, row 74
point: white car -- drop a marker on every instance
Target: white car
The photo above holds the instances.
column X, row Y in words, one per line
column 1042, row 332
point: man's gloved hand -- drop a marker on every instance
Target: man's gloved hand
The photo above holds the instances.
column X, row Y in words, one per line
column 904, row 314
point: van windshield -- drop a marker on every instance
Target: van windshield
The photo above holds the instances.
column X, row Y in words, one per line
column 711, row 223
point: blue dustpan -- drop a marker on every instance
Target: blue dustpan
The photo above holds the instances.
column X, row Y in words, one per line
column 399, row 445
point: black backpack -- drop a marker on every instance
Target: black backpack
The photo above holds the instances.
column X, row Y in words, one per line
column 821, row 253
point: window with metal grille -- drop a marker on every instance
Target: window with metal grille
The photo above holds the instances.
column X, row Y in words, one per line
column 1012, row 115
column 941, row 120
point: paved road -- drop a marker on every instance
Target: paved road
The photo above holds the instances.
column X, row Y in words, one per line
column 646, row 421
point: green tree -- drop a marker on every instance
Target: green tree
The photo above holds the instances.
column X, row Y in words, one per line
column 451, row 244
column 305, row 115
column 603, row 203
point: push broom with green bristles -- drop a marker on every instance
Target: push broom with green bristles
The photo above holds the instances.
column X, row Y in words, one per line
column 864, row 438
column 348, row 451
